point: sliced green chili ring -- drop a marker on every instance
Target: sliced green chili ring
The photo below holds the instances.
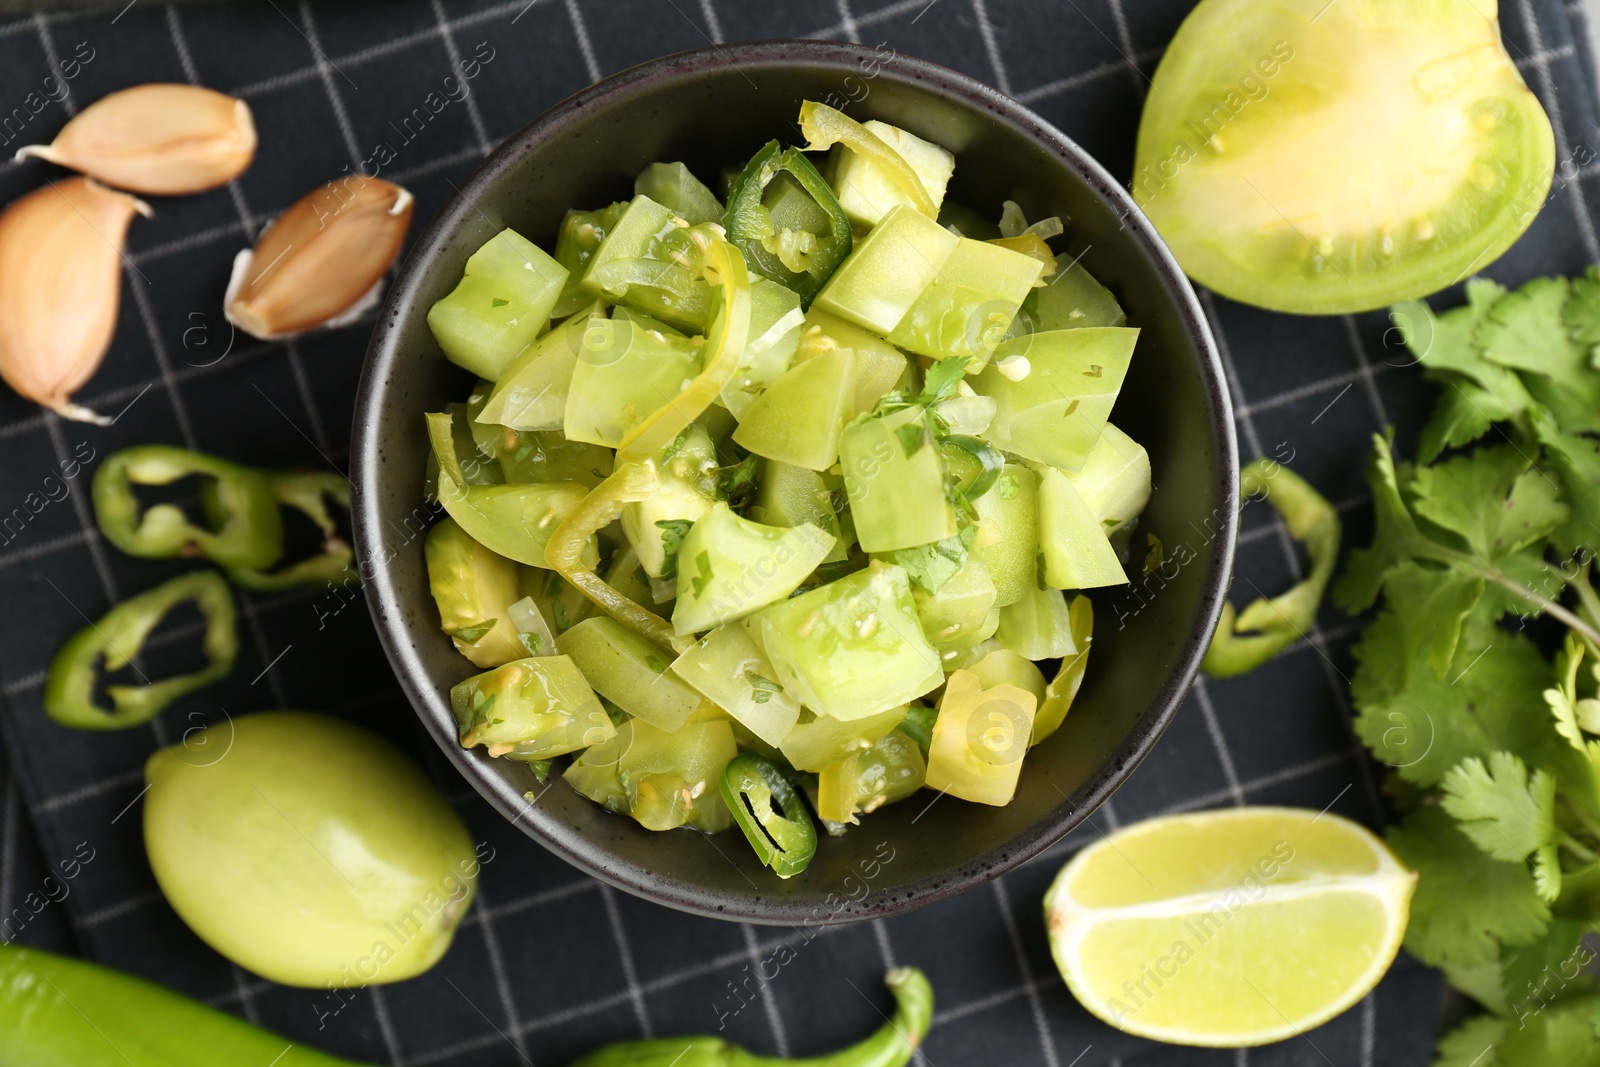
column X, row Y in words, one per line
column 1248, row 639
column 244, row 528
column 991, row 459
column 750, row 225
column 117, row 638
column 309, row 493
column 770, row 812
column 824, row 127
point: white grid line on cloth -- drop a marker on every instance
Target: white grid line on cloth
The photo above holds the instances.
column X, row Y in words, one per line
column 586, row 46
column 993, row 1000
column 1245, row 408
column 1008, row 919
column 769, row 1002
column 713, row 21
column 474, row 113
column 1261, row 533
column 325, row 71
column 847, row 23
column 100, row 916
column 1541, row 66
column 1219, row 741
column 1119, row 18
column 630, row 974
column 502, row 981
column 991, row 47
column 1369, row 1028
column 391, row 1038
column 44, row 548
column 89, row 791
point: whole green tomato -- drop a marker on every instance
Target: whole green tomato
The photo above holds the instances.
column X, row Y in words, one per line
column 308, row 850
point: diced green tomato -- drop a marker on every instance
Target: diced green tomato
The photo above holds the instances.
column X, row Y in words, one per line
column 823, row 741
column 532, row 393
column 891, row 770
column 530, row 709
column 1037, row 626
column 473, row 588
column 664, row 780
column 957, row 616
column 775, row 323
column 1063, row 689
column 643, row 223
column 770, row 812
column 1115, row 480
column 686, row 491
column 797, row 420
column 895, row 482
column 624, row 373
column 533, row 629
column 851, row 648
column 1001, row 666
column 867, row 194
column 629, row 671
column 502, row 303
column 888, row 270
column 547, row 456
column 730, row 567
column 1071, row 300
column 1076, row 549
column 1008, row 533
column 476, row 465
column 967, row 222
column 581, row 235
column 1066, row 382
column 970, row 415
column 878, row 365
column 628, row 578
column 514, row 520
column 727, row 668
column 969, row 305
column 557, row 599
column 788, row 496
column 675, row 188
column 979, row 740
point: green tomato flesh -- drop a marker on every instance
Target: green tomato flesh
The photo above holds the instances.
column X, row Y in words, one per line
column 1323, row 159
column 730, row 567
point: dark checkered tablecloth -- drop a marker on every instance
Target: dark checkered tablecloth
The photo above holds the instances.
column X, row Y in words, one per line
column 550, row 962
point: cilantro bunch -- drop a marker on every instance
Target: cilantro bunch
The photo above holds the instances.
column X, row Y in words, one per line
column 1476, row 681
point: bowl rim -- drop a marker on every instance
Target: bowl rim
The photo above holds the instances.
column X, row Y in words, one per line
column 367, row 443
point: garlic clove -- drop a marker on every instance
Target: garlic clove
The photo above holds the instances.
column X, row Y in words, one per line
column 60, row 283
column 322, row 262
column 160, row 139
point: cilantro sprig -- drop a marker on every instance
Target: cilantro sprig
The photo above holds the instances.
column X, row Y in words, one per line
column 1483, row 542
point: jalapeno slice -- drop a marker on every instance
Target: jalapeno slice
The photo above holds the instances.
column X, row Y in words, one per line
column 771, row 814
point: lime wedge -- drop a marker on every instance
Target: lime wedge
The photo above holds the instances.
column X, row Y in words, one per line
column 1228, row 928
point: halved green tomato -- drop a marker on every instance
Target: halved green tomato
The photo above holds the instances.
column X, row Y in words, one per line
column 1329, row 156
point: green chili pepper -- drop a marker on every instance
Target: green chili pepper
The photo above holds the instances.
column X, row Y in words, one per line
column 1245, row 641
column 243, row 527
column 800, row 238
column 783, row 836
column 307, row 492
column 892, row 1045
column 58, row 1012
column 69, row 688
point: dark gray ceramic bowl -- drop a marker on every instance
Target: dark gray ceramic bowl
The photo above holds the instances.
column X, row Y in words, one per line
column 715, row 107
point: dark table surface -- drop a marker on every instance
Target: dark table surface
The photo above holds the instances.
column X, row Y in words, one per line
column 549, row 962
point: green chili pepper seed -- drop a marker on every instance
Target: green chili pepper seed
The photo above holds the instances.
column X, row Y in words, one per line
column 69, row 688
column 770, row 812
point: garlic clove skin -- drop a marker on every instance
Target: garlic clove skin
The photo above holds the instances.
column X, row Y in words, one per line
column 60, row 284
column 321, row 263
column 158, row 139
